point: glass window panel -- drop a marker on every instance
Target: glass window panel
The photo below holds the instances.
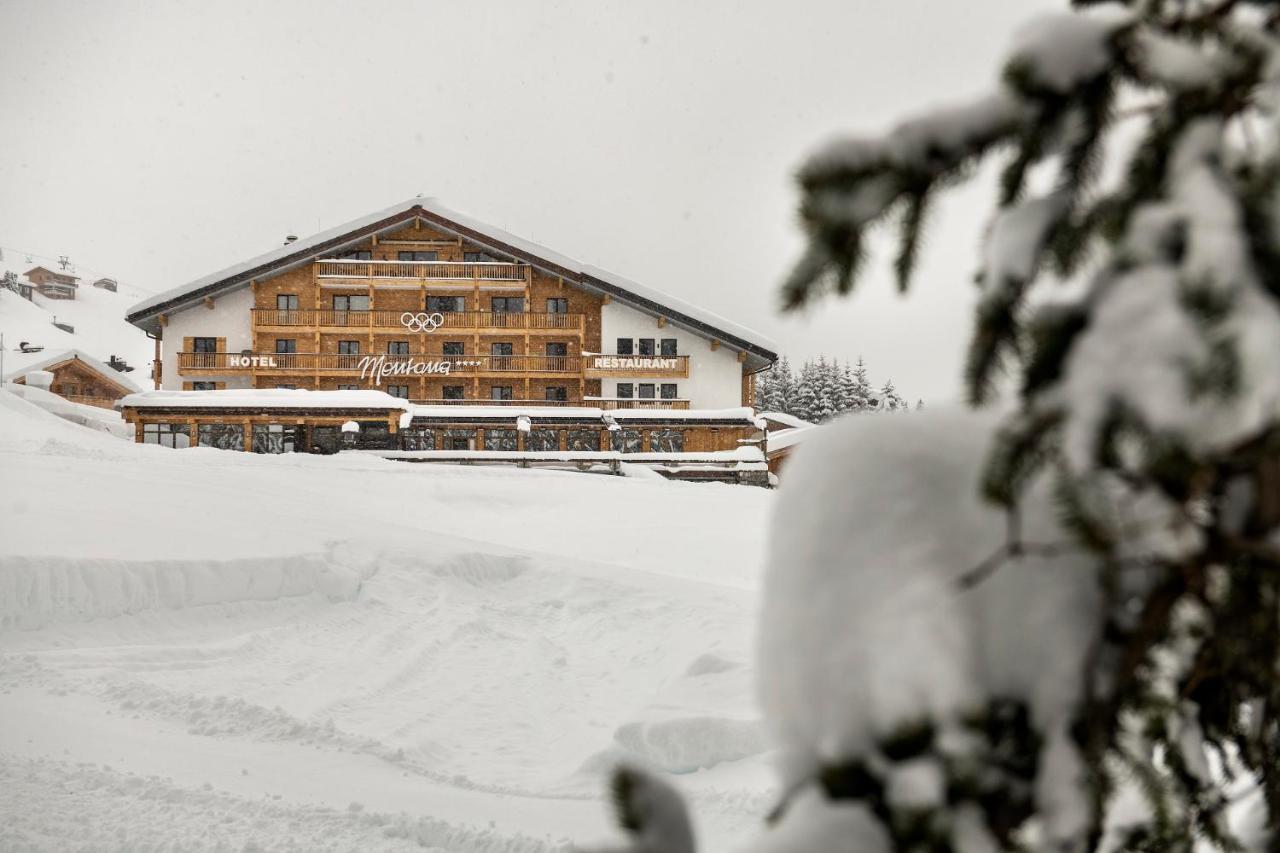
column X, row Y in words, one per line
column 499, row 439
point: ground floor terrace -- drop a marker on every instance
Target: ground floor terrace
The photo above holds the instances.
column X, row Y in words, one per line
column 684, row 444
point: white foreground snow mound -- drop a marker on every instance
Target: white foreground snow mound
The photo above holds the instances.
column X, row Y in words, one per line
column 865, row 627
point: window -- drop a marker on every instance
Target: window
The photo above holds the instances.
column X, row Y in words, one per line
column 668, row 390
column 557, row 357
column 459, row 439
column 356, row 255
column 584, row 439
column 542, row 440
column 453, row 392
column 646, row 346
column 501, row 356
column 286, row 387
column 176, row 436
column 204, row 386
column 625, row 346
column 479, row 258
column 351, row 303
column 286, row 302
column 666, row 441
column 669, row 347
column 417, row 438
column 446, row 304
column 646, row 390
column 274, row 438
column 626, row 390
column 558, row 305
column 626, row 440
column 326, row 439
column 397, row 348
column 455, row 348
column 350, row 349
column 499, row 439
column 500, row 392
column 348, row 387
column 374, row 435
column 400, row 391
column 286, row 345
column 557, row 394
column 418, row 256
column 222, row 436
column 506, row 304
column 205, row 345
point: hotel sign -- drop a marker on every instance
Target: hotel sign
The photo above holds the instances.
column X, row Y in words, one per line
column 251, row 361
column 632, row 362
column 376, row 367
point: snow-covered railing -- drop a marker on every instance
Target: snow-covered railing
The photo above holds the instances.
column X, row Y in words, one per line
column 423, row 270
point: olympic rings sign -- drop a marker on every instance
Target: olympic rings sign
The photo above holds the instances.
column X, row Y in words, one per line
column 421, row 322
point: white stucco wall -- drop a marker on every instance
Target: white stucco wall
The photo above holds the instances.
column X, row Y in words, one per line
column 229, row 318
column 715, row 376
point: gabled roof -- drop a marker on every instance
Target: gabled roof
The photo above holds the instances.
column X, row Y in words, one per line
column 62, row 275
column 759, row 348
column 60, row 357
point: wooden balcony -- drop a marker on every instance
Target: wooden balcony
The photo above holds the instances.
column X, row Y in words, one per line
column 600, row 366
column 235, row 363
column 635, row 403
column 422, row 271
column 394, row 321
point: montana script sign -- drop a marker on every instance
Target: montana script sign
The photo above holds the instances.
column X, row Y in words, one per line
column 376, row 367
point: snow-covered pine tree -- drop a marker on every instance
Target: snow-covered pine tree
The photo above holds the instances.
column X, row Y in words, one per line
column 1152, row 401
column 843, row 387
column 804, row 402
column 824, row 390
column 862, row 391
column 781, row 387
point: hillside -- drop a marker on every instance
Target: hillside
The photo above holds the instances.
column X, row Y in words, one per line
column 98, row 319
column 225, row 651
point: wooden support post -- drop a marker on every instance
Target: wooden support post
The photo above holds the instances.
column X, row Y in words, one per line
column 208, row 302
column 662, row 322
column 247, row 426
column 715, row 345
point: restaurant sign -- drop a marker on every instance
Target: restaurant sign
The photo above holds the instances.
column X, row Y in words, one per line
column 631, row 362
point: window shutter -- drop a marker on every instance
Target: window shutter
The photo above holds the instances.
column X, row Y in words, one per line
column 186, row 386
column 218, row 386
column 187, row 345
column 222, row 345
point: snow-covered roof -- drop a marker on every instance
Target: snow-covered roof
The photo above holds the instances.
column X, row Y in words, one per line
column 785, row 419
column 790, row 437
column 281, row 398
column 45, row 360
column 303, row 250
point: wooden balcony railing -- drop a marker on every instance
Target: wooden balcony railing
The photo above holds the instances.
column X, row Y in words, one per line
column 272, row 362
column 636, row 403
column 311, row 318
column 423, row 270
column 440, row 401
column 601, row 365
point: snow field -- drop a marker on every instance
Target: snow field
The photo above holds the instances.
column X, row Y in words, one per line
column 461, row 651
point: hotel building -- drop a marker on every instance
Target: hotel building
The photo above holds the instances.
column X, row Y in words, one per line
column 468, row 327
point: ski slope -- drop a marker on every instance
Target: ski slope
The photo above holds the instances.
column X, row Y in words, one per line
column 97, row 317
column 209, row 650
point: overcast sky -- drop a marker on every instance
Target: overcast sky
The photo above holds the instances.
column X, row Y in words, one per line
column 162, row 141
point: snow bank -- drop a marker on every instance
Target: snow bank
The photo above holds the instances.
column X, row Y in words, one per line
column 865, row 624
column 37, row 591
column 686, row 744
